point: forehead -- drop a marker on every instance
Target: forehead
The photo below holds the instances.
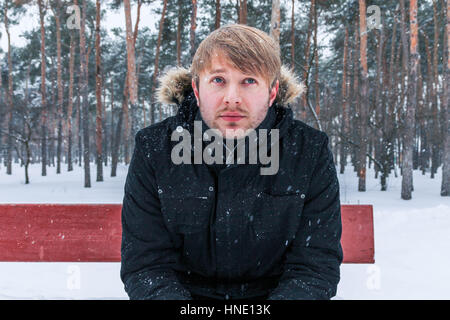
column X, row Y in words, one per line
column 220, row 63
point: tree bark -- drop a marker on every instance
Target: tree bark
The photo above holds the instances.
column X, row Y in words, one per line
column 434, row 82
column 293, row 36
column 131, row 63
column 79, row 122
column 59, row 113
column 243, row 11
column 344, row 96
column 9, row 96
column 158, row 46
column 84, row 91
column 379, row 141
column 307, row 62
column 356, row 96
column 70, row 104
column 316, row 64
column 445, row 187
column 275, row 21
column 218, row 15
column 43, row 92
column 131, row 75
column 408, row 138
column 179, row 23
column 364, row 98
column 98, row 93
column 193, row 26
column 112, row 118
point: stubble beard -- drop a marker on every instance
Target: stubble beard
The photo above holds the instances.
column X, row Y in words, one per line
column 235, row 125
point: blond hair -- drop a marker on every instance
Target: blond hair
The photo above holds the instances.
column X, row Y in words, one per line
column 248, row 49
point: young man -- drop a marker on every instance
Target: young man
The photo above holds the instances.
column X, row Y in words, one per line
column 226, row 229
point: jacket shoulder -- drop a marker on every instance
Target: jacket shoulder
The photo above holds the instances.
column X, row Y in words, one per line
column 154, row 139
column 312, row 137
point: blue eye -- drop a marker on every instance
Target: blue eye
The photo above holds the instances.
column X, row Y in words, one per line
column 217, row 78
column 254, row 81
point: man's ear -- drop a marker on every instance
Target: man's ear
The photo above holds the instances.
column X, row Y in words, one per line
column 273, row 93
column 194, row 87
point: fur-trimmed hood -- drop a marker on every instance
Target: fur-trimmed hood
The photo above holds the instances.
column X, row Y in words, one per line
column 175, row 86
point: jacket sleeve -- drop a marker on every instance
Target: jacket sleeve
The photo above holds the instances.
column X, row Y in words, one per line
column 147, row 253
column 311, row 267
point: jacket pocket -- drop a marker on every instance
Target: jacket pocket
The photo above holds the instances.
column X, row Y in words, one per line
column 277, row 215
column 187, row 214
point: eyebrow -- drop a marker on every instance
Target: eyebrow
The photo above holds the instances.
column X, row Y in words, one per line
column 217, row 71
column 224, row 71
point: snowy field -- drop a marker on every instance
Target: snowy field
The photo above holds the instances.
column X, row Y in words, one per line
column 412, row 239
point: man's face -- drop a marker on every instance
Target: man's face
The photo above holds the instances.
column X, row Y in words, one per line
column 230, row 100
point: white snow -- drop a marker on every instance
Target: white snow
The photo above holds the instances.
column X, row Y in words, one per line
column 412, row 239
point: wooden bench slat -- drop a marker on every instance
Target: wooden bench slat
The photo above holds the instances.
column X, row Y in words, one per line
column 92, row 233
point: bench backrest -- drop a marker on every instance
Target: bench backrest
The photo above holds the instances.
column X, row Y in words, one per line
column 92, row 233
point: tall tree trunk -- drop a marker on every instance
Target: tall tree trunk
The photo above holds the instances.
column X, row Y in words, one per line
column 218, row 15
column 306, row 67
column 435, row 135
column 104, row 125
column 344, row 95
column 408, row 138
column 84, row 91
column 293, row 36
column 386, row 137
column 131, row 75
column 70, row 104
column 79, row 122
column 158, row 46
column 43, row 92
column 275, row 21
column 52, row 115
column 2, row 119
column 316, row 63
column 243, row 11
column 112, row 119
column 9, row 96
column 404, row 38
column 430, row 132
column 378, row 101
column 179, row 24
column 364, row 97
column 117, row 139
column 193, row 25
column 131, row 59
column 355, row 97
column 421, row 121
column 59, row 113
column 445, row 187
column 404, row 73
column 98, row 93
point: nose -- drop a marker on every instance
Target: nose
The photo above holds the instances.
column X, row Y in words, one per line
column 232, row 96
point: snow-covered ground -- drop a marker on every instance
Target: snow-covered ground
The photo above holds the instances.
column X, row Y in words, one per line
column 412, row 239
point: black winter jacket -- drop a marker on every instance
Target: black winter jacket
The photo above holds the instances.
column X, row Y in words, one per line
column 228, row 232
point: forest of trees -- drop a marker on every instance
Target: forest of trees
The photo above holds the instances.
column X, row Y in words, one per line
column 376, row 76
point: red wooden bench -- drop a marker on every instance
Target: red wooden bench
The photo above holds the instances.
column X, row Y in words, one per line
column 92, row 233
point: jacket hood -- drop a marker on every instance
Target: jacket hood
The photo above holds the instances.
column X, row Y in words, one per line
column 175, row 86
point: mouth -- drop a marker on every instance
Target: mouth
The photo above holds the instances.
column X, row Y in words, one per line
column 232, row 116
